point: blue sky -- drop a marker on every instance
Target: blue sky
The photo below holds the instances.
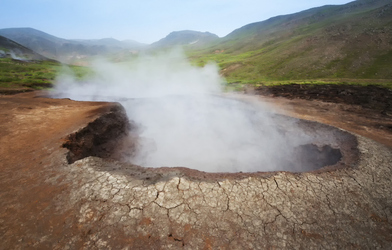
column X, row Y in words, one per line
column 145, row 21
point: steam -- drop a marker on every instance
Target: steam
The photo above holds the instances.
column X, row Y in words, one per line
column 11, row 54
column 15, row 57
column 148, row 76
column 182, row 117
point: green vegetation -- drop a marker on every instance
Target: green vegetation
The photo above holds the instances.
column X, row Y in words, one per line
column 386, row 83
column 343, row 44
column 336, row 43
column 15, row 74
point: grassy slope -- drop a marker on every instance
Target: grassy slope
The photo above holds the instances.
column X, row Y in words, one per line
column 30, row 71
column 352, row 41
column 21, row 75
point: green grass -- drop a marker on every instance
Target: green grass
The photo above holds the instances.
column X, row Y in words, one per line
column 16, row 74
column 331, row 42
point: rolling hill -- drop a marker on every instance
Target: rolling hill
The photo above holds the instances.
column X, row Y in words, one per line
column 352, row 41
column 343, row 41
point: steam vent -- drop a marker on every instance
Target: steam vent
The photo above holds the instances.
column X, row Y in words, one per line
column 68, row 182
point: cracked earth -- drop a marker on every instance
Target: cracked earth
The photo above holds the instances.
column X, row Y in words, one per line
column 97, row 203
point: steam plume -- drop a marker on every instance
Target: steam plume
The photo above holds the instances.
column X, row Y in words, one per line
column 182, row 118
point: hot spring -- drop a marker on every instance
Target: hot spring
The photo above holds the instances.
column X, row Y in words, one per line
column 180, row 118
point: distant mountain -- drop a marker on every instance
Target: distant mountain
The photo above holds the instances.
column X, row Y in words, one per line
column 353, row 40
column 36, row 40
column 11, row 49
column 343, row 41
column 63, row 49
column 134, row 44
column 111, row 42
column 185, row 37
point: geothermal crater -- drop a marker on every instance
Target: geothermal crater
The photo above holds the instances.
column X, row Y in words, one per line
column 180, row 118
column 212, row 134
column 103, row 203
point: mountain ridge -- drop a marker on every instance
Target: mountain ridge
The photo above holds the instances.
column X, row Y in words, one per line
column 63, row 49
column 185, row 38
column 352, row 40
column 125, row 44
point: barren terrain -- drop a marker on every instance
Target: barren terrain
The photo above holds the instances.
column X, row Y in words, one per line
column 100, row 203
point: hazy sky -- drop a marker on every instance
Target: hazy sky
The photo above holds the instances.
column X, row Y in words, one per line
column 143, row 20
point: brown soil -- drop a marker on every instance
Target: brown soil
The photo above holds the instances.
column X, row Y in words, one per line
column 376, row 98
column 32, row 131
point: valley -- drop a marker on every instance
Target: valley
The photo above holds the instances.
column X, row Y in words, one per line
column 276, row 136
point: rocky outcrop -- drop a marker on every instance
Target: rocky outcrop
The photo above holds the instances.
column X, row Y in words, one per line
column 102, row 137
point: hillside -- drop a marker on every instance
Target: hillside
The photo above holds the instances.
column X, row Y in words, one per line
column 22, row 69
column 330, row 42
column 62, row 49
column 11, row 49
column 345, row 41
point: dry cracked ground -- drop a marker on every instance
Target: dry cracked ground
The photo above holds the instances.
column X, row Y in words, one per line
column 96, row 203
